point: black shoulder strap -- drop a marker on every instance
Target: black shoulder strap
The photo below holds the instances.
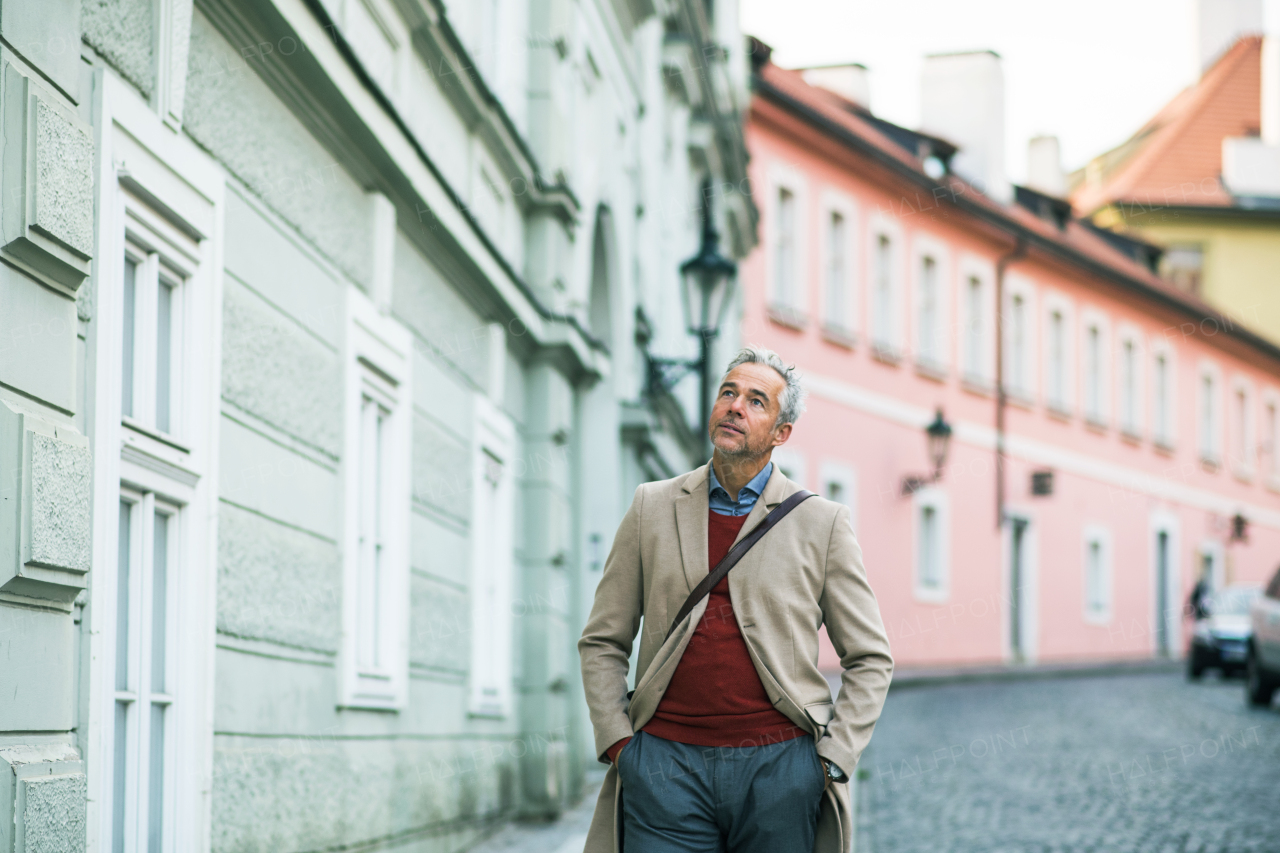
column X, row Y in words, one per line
column 735, row 554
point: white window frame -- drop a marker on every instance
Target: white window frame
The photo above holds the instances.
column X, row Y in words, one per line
column 1095, row 387
column 1017, row 286
column 837, row 320
column 933, row 358
column 934, row 499
column 1270, row 445
column 1164, row 521
column 377, row 354
column 179, row 468
column 846, row 478
column 982, row 372
column 140, row 692
column 793, row 465
column 153, row 247
column 884, row 309
column 1243, row 456
column 1064, row 362
column 492, row 575
column 1164, row 424
column 792, row 305
column 1101, row 614
column 1130, row 400
column 1029, row 607
column 1209, row 414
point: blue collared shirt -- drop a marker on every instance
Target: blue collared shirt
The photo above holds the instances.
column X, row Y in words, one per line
column 722, row 504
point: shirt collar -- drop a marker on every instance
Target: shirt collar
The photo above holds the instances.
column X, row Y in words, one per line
column 755, row 486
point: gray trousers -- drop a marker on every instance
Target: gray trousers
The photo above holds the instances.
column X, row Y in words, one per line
column 679, row 798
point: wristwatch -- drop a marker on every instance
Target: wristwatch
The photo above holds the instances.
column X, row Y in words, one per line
column 833, row 772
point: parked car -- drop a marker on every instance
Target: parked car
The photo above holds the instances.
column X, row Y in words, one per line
column 1221, row 636
column 1262, row 664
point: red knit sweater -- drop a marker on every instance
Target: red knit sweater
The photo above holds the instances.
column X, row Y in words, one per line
column 715, row 697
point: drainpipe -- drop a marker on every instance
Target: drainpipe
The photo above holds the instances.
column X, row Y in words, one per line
column 1019, row 250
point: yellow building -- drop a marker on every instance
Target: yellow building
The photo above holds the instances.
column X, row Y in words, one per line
column 1201, row 180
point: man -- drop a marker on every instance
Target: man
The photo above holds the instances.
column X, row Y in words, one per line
column 731, row 742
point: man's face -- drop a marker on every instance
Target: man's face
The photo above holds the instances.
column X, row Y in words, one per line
column 746, row 410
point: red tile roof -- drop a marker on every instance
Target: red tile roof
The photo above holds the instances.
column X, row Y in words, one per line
column 1176, row 157
column 1077, row 244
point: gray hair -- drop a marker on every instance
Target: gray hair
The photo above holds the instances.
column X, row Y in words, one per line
column 791, row 403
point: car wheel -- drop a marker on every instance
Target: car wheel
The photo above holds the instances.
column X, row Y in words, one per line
column 1195, row 666
column 1258, row 686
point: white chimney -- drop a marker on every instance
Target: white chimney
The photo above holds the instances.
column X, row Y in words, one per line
column 1251, row 164
column 962, row 101
column 1271, row 88
column 1044, row 167
column 848, row 81
column 1219, row 23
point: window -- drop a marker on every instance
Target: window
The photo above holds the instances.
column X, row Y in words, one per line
column 1130, row 385
column 784, row 273
column 793, row 465
column 492, row 555
column 1093, row 373
column 151, row 335
column 1208, row 415
column 1242, row 442
column 371, row 496
column 974, row 329
column 883, row 332
column 1272, row 426
column 1183, row 267
column 837, row 267
column 839, row 483
column 1162, row 405
column 928, row 555
column 932, row 545
column 1095, row 370
column 1019, row 338
column 1057, row 360
column 1097, row 574
column 1018, row 342
column 928, row 323
column 374, row 656
column 145, row 674
column 152, row 631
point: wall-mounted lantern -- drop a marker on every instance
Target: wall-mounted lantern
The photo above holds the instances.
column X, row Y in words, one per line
column 938, row 434
column 1239, row 528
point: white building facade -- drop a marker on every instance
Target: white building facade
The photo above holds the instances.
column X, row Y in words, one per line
column 329, row 380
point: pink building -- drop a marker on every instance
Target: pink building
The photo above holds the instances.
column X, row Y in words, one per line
column 1138, row 425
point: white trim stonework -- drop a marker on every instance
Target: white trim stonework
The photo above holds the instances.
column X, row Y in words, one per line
column 162, row 195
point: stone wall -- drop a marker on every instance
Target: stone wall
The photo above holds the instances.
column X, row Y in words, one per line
column 47, row 243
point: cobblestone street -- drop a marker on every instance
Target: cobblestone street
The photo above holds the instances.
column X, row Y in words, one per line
column 1147, row 763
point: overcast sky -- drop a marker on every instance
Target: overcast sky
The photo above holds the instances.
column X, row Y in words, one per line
column 1090, row 72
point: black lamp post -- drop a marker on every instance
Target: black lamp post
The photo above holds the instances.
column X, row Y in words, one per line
column 938, row 434
column 706, row 282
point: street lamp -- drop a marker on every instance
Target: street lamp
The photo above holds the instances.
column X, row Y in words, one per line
column 938, row 434
column 706, row 284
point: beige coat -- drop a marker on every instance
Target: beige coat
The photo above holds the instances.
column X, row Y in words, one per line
column 805, row 572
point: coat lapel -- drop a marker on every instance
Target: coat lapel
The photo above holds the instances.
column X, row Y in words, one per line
column 691, row 524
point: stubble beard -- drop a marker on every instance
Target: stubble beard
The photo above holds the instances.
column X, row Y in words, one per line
column 745, row 454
